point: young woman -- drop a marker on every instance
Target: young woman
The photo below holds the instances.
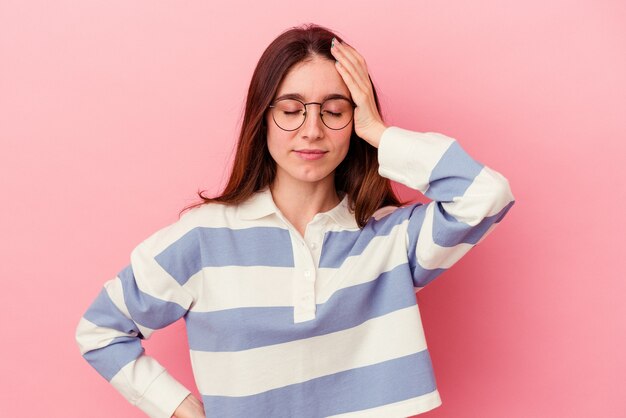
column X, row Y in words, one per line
column 298, row 283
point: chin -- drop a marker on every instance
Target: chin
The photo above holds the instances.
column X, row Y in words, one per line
column 311, row 177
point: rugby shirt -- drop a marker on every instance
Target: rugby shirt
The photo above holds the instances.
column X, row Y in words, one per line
column 284, row 325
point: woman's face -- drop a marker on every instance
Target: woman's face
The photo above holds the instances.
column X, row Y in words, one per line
column 312, row 80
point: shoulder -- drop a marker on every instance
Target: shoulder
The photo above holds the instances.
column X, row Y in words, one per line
column 189, row 225
column 384, row 211
column 387, row 213
column 388, row 217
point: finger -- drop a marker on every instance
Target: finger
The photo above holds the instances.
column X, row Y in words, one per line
column 358, row 57
column 350, row 82
column 350, row 53
column 352, row 64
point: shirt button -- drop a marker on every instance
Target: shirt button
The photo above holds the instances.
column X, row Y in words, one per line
column 307, row 273
column 313, row 245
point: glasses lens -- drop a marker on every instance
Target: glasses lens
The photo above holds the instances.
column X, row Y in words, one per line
column 288, row 114
column 337, row 113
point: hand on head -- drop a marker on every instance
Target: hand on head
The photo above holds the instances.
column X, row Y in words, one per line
column 352, row 67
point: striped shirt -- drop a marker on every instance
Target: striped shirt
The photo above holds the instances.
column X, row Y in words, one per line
column 284, row 325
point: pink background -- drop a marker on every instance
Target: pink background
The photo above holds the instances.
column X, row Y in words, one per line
column 113, row 114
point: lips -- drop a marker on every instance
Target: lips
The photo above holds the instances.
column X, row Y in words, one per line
column 310, row 151
column 310, row 154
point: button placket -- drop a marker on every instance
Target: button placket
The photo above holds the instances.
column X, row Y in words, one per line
column 313, row 237
column 308, row 282
column 304, row 281
column 306, row 262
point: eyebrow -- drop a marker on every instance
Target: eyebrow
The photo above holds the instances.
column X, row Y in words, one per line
column 300, row 97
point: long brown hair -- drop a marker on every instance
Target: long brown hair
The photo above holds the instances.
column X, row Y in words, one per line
column 254, row 168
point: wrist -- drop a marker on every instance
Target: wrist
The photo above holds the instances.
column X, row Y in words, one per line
column 375, row 133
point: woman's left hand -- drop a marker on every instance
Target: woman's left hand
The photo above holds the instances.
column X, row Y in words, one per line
column 352, row 67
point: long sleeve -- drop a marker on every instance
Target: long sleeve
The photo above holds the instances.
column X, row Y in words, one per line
column 143, row 297
column 469, row 199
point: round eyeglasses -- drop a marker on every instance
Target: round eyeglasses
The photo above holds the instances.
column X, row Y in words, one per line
column 290, row 114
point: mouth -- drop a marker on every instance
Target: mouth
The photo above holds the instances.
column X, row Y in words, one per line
column 310, row 154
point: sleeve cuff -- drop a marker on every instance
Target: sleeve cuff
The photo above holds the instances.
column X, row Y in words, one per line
column 163, row 396
column 409, row 157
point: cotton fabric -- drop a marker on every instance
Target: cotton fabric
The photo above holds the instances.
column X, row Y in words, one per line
column 284, row 325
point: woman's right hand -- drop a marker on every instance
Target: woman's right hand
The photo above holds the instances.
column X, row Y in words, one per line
column 190, row 408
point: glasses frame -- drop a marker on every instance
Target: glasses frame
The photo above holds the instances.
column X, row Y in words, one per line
column 306, row 112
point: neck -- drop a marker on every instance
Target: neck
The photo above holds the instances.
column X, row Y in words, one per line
column 300, row 202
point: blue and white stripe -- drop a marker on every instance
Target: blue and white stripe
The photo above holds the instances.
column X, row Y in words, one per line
column 282, row 325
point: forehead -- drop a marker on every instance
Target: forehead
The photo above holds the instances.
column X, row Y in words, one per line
column 313, row 80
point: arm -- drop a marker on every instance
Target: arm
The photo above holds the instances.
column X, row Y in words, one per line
column 143, row 297
column 469, row 198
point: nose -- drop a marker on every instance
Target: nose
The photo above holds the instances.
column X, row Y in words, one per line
column 313, row 126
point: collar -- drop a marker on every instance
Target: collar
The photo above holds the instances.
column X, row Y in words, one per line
column 261, row 204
